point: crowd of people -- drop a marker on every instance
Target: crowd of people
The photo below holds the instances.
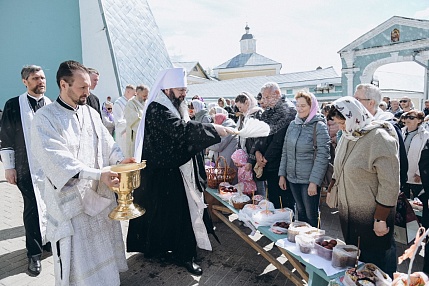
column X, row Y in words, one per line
column 375, row 144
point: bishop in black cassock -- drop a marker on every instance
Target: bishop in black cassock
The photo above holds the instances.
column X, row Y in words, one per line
column 173, row 181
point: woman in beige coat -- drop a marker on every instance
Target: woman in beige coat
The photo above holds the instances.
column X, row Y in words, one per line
column 366, row 170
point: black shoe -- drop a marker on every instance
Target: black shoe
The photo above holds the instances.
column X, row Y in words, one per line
column 47, row 247
column 167, row 257
column 193, row 268
column 34, row 264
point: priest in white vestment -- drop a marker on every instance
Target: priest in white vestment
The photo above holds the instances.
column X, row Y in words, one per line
column 73, row 147
column 118, row 115
column 133, row 114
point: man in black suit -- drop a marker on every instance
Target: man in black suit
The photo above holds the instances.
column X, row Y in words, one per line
column 92, row 99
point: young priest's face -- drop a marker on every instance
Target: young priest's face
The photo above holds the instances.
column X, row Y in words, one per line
column 78, row 91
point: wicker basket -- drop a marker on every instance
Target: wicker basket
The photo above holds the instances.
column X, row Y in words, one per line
column 217, row 175
column 239, row 206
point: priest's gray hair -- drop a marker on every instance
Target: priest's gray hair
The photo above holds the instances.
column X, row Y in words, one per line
column 28, row 70
column 370, row 91
column 271, row 86
column 142, row 87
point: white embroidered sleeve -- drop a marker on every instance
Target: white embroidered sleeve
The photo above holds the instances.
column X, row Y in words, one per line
column 8, row 158
column 90, row 174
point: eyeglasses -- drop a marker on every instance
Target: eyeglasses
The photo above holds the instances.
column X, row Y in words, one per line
column 362, row 99
column 411, row 117
column 109, row 108
column 403, row 101
column 182, row 90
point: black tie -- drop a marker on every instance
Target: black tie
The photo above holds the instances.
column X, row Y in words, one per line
column 40, row 103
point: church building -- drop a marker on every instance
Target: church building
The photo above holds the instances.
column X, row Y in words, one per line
column 248, row 63
column 118, row 38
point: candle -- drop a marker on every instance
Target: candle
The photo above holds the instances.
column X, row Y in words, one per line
column 318, row 221
column 266, row 193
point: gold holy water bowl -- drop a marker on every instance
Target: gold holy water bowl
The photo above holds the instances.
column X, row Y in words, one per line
column 129, row 179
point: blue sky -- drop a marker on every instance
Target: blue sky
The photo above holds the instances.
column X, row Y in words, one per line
column 301, row 35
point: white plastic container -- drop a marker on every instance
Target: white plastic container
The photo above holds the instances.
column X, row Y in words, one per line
column 305, row 243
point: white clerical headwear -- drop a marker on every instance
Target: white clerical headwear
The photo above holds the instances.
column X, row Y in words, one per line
column 169, row 78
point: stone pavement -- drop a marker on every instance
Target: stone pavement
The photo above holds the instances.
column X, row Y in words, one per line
column 232, row 262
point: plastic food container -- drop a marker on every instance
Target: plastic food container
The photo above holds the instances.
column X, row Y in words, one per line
column 316, row 233
column 344, row 256
column 326, row 251
column 304, row 242
column 295, row 228
column 280, row 227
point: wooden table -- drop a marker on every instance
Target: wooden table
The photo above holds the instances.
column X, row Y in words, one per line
column 309, row 273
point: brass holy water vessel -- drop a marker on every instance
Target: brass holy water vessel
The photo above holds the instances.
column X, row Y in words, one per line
column 129, row 179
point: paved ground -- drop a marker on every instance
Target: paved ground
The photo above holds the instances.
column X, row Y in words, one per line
column 231, row 263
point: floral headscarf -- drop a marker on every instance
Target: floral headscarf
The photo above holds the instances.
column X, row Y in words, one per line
column 239, row 157
column 358, row 119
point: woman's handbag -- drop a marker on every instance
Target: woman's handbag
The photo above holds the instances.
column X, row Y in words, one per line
column 330, row 171
column 332, row 197
column 259, row 171
column 406, row 220
column 217, row 174
column 328, row 176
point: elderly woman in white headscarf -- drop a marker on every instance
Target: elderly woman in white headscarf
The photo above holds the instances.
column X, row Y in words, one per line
column 366, row 174
column 216, row 110
column 200, row 112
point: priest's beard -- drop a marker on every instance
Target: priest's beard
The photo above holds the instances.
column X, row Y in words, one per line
column 79, row 100
column 40, row 89
column 82, row 100
column 176, row 101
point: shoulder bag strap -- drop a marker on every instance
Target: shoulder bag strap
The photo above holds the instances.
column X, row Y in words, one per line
column 345, row 159
column 314, row 141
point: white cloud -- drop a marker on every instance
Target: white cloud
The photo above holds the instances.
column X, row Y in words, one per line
column 299, row 34
column 424, row 14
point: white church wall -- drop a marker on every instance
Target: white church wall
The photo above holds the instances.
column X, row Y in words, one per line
column 96, row 51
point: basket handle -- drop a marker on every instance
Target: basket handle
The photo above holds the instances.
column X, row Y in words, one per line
column 421, row 234
column 226, row 166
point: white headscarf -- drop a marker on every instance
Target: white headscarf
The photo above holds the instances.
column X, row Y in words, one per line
column 253, row 103
column 358, row 119
column 198, row 105
column 252, row 108
column 169, row 78
column 217, row 109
